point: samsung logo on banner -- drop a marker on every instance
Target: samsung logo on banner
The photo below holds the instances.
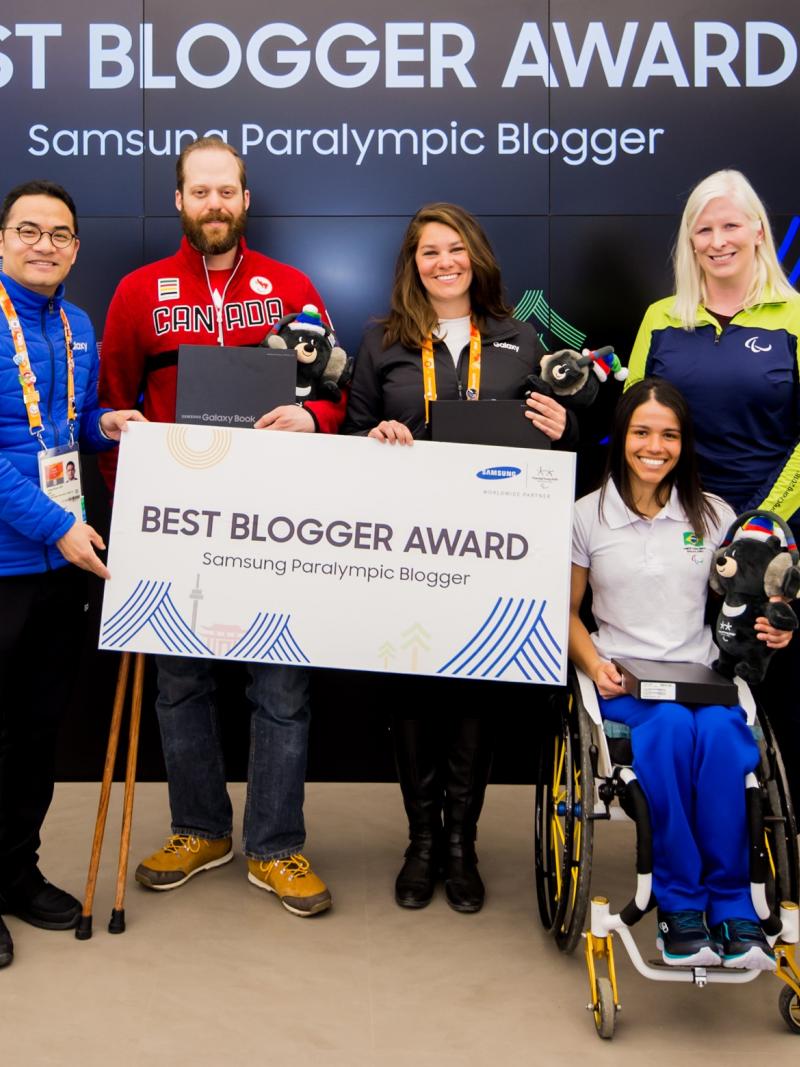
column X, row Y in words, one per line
column 494, row 474
column 408, row 55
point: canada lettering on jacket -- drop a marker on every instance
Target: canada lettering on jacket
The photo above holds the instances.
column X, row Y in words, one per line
column 193, row 318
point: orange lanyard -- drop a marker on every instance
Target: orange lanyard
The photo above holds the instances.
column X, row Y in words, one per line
column 27, row 379
column 473, row 372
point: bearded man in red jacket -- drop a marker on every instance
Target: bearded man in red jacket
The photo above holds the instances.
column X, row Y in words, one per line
column 216, row 290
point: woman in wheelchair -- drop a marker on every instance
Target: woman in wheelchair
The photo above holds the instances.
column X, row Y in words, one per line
column 644, row 542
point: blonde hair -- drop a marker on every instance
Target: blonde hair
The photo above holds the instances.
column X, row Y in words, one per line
column 768, row 279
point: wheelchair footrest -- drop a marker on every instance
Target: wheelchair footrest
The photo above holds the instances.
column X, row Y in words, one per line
column 660, row 965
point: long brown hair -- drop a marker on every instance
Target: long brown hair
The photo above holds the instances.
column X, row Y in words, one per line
column 683, row 476
column 412, row 317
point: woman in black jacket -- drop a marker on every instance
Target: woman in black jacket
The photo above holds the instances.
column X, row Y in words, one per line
column 449, row 335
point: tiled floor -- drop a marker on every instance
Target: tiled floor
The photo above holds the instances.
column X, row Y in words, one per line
column 218, row 972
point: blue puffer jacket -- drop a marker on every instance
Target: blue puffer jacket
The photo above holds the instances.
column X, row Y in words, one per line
column 31, row 523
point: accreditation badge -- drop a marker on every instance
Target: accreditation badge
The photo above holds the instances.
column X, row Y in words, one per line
column 60, row 478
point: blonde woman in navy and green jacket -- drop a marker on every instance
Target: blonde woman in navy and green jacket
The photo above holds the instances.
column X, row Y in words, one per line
column 728, row 339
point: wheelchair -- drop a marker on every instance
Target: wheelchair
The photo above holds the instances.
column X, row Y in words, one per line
column 585, row 776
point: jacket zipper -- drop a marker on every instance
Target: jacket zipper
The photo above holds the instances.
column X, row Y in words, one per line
column 457, row 368
column 50, row 307
column 218, row 310
column 464, row 351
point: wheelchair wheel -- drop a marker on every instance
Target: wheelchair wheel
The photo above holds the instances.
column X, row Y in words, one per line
column 780, row 827
column 563, row 826
column 604, row 1012
column 789, row 1006
column 552, row 839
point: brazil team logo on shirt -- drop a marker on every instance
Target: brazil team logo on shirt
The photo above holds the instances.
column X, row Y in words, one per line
column 692, row 541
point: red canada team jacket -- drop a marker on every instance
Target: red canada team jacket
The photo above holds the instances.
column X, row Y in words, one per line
column 169, row 303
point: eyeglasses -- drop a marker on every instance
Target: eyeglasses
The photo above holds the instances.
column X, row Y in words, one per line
column 31, row 234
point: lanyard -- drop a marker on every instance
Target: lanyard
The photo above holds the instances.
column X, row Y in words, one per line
column 27, row 379
column 473, row 373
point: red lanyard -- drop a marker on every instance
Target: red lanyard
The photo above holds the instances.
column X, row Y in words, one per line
column 473, row 373
column 27, row 379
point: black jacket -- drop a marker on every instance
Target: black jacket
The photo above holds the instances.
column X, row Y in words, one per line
column 387, row 383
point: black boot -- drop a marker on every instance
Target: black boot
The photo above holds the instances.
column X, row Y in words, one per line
column 415, row 749
column 462, row 884
column 6, row 945
column 417, row 878
column 469, row 759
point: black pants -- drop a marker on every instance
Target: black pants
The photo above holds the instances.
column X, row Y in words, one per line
column 42, row 620
column 443, row 742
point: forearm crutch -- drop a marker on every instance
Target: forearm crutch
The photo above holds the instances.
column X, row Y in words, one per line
column 117, row 923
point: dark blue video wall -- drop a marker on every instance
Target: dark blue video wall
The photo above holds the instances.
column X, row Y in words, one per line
column 574, row 130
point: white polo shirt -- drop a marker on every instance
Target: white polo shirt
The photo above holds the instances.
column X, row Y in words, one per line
column 649, row 577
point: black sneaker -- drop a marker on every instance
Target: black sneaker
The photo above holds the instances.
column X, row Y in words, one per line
column 44, row 905
column 744, row 944
column 6, row 945
column 684, row 940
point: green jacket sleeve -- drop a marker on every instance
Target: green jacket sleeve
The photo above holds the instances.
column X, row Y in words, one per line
column 781, row 493
column 784, row 496
column 640, row 353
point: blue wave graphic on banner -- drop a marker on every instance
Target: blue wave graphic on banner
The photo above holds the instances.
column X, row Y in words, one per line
column 150, row 605
column 268, row 638
column 513, row 638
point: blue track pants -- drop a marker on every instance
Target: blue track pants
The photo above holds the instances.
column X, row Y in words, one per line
column 691, row 764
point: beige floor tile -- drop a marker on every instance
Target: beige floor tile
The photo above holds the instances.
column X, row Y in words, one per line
column 219, row 972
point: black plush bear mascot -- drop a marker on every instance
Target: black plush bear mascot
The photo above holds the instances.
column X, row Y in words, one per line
column 574, row 379
column 747, row 571
column 322, row 368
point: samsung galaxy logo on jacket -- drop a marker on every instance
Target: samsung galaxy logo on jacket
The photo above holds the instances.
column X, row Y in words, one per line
column 505, row 344
column 496, row 473
column 80, row 346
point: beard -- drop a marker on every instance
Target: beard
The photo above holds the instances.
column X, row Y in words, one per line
column 214, row 244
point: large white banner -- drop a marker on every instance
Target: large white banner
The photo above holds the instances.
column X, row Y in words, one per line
column 437, row 559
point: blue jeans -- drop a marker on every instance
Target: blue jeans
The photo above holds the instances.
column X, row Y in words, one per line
column 279, row 721
column 691, row 764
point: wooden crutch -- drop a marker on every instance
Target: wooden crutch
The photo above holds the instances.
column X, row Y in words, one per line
column 117, row 922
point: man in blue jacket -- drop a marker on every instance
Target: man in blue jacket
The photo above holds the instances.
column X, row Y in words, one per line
column 48, row 412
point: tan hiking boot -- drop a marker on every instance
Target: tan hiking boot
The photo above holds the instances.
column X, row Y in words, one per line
column 180, row 858
column 300, row 890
